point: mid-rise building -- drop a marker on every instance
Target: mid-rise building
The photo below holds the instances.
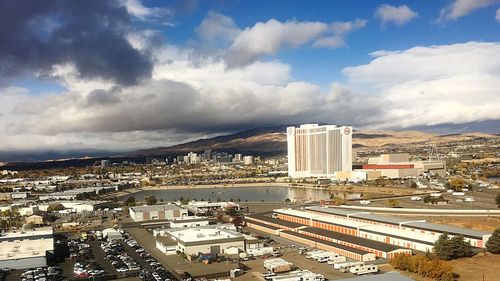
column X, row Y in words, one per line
column 319, row 151
column 248, row 160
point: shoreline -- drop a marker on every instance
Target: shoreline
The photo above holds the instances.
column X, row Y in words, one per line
column 378, row 191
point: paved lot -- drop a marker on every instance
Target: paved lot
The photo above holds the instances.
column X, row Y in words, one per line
column 175, row 262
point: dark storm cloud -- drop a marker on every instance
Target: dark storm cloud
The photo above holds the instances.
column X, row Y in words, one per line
column 102, row 97
column 35, row 35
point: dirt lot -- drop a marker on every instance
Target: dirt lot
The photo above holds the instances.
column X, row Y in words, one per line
column 476, row 223
column 473, row 269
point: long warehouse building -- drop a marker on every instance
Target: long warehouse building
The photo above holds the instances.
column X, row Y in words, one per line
column 347, row 245
column 416, row 235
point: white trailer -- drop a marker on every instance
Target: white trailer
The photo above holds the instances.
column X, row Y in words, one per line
column 311, row 254
column 364, row 269
column 260, row 251
column 335, row 260
column 345, row 266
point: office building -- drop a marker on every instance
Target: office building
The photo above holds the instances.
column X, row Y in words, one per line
column 319, row 151
column 248, row 160
column 105, row 163
column 238, row 157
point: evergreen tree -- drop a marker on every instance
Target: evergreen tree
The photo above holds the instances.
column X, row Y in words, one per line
column 442, row 247
column 151, row 200
column 493, row 244
column 447, row 248
column 460, row 247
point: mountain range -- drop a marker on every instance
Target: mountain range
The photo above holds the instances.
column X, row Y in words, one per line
column 272, row 141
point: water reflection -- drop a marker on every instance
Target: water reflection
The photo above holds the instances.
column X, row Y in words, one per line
column 252, row 194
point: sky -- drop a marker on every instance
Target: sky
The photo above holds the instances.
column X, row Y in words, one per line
column 127, row 74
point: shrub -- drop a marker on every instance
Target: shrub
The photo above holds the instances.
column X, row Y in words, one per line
column 493, row 244
column 423, row 266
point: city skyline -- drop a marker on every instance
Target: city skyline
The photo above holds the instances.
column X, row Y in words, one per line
column 129, row 74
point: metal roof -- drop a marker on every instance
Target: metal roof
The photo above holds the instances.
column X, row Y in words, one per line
column 152, row 208
column 325, row 242
column 441, row 228
column 372, row 244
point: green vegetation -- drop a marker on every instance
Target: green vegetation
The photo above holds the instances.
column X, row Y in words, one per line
column 130, row 201
column 493, row 244
column 393, row 203
column 433, row 200
column 55, row 207
column 414, row 184
column 497, row 200
column 423, row 266
column 447, row 248
column 151, row 200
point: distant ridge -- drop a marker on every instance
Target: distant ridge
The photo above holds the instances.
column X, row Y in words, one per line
column 272, row 141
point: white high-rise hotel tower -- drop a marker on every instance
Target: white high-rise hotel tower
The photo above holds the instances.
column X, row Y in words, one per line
column 319, row 151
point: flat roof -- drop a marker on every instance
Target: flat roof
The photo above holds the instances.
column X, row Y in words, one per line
column 372, row 244
column 403, row 221
column 324, row 242
column 166, row 241
column 25, row 248
column 202, row 234
column 152, row 208
column 269, row 219
column 35, row 233
column 264, row 225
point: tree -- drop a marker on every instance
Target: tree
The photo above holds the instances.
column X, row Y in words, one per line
column 151, row 200
column 55, row 207
column 130, row 201
column 461, row 248
column 457, row 184
column 493, row 244
column 414, row 184
column 393, row 203
column 497, row 200
column 447, row 248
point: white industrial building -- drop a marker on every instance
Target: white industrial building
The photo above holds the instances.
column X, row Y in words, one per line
column 78, row 206
column 319, row 151
column 202, row 207
column 157, row 212
column 192, row 241
column 26, row 249
column 73, row 193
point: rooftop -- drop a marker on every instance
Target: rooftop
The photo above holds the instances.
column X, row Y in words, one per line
column 150, row 208
column 200, row 234
column 403, row 221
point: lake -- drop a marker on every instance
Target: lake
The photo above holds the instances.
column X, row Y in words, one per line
column 252, row 194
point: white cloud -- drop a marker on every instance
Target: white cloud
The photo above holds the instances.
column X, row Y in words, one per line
column 497, row 15
column 398, row 15
column 341, row 28
column 460, row 8
column 329, row 42
column 217, row 27
column 267, row 38
column 141, row 12
column 432, row 85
